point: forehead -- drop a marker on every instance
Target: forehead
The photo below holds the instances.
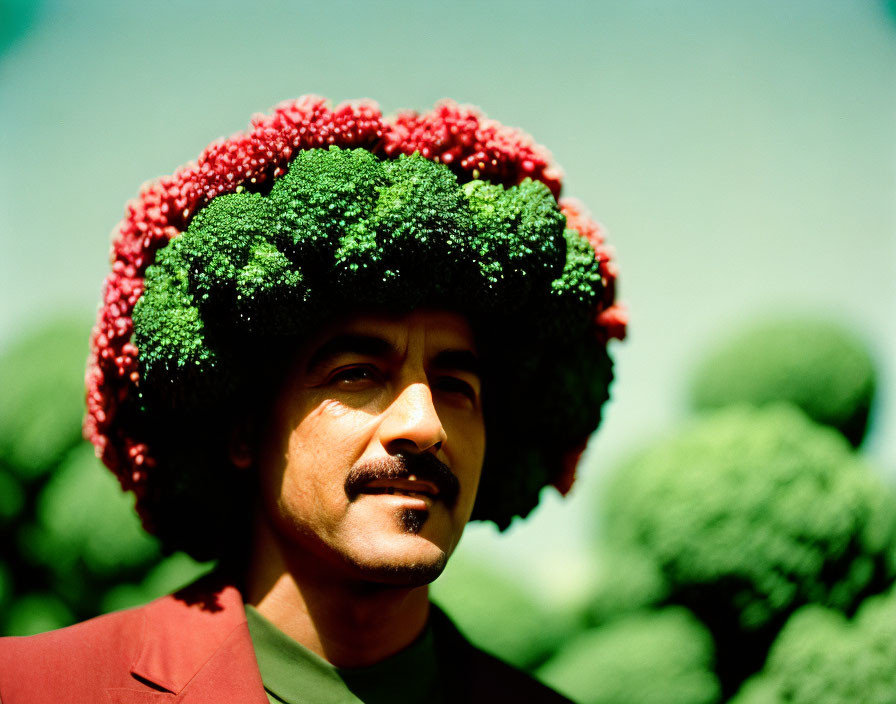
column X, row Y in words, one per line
column 427, row 329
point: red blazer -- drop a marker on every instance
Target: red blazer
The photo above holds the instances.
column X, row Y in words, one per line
column 164, row 652
column 195, row 648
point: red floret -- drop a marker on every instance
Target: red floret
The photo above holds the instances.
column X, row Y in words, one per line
column 470, row 144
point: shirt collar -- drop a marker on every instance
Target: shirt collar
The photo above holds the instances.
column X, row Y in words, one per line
column 294, row 674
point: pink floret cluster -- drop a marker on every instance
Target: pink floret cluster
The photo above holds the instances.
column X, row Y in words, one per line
column 458, row 136
column 463, row 139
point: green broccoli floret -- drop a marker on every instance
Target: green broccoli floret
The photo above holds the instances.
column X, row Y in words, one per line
column 818, row 366
column 340, row 228
column 821, row 657
column 42, row 378
column 579, row 282
column 656, row 657
column 750, row 514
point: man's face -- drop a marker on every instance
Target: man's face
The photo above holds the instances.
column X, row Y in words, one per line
column 373, row 455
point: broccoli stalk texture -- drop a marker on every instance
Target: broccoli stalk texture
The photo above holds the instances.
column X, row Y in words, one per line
column 750, row 514
column 344, row 230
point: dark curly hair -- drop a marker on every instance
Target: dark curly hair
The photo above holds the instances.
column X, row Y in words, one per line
column 256, row 270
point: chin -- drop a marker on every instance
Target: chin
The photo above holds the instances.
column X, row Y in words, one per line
column 400, row 560
column 391, row 541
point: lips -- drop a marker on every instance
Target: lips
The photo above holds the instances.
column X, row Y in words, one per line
column 420, row 476
column 411, row 486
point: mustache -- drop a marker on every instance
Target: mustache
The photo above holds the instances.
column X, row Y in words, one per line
column 424, row 466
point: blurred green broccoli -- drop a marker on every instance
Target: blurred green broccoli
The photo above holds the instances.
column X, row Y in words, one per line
column 12, row 496
column 35, row 613
column 42, row 403
column 820, row 657
column 5, row 585
column 497, row 614
column 167, row 576
column 820, row 367
column 750, row 514
column 85, row 517
column 628, row 581
column 648, row 657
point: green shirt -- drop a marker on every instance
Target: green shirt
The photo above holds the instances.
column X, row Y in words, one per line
column 292, row 674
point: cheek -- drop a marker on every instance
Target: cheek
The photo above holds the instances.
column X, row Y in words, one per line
column 320, row 451
column 468, row 454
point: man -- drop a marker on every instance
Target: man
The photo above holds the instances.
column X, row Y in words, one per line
column 322, row 349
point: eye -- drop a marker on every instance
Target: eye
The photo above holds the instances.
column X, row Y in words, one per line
column 456, row 385
column 354, row 376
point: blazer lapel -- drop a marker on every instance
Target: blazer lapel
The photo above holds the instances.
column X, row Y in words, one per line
column 195, row 649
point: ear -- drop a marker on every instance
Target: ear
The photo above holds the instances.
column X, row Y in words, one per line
column 240, row 445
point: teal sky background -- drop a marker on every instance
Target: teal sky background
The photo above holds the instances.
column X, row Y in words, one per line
column 740, row 153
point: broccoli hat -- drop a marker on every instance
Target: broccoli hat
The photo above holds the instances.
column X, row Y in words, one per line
column 316, row 211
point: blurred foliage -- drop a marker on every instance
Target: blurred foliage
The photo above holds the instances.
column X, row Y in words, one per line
column 499, row 615
column 5, row 585
column 821, row 657
column 648, row 657
column 70, row 540
column 37, row 612
column 167, row 576
column 86, row 518
column 818, row 366
column 12, row 497
column 629, row 580
column 749, row 514
column 42, row 377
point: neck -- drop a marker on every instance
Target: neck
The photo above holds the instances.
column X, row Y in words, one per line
column 349, row 622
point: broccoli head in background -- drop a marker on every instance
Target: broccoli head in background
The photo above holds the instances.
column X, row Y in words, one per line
column 818, row 366
column 627, row 581
column 647, row 657
column 42, row 379
column 750, row 514
column 87, row 522
column 821, row 657
column 36, row 612
column 498, row 614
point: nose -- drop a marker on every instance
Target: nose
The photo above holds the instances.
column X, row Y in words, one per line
column 412, row 423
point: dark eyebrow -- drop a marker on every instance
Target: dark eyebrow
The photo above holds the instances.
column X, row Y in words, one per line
column 364, row 345
column 457, row 360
